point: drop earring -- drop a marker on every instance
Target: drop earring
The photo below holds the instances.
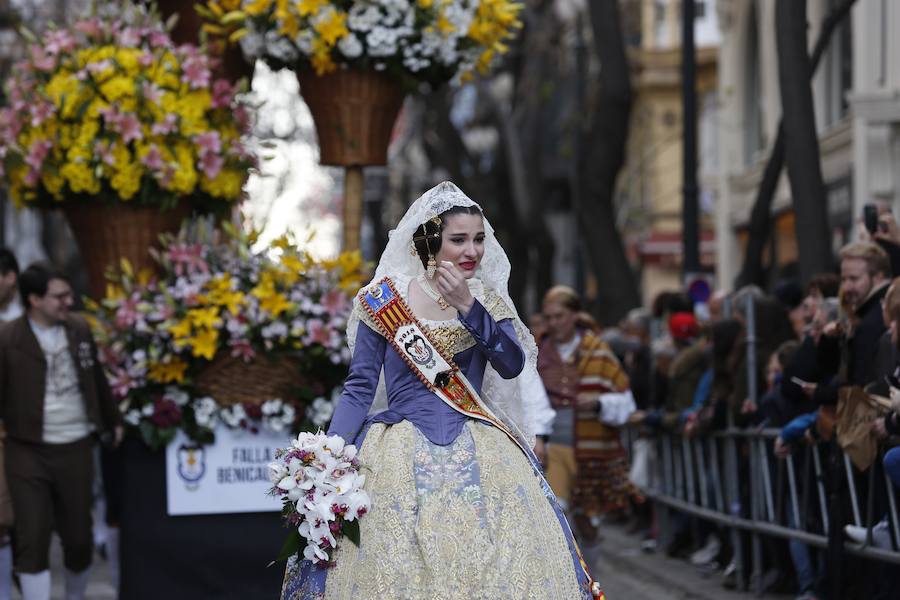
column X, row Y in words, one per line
column 432, row 266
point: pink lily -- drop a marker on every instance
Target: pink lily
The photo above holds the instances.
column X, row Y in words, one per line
column 130, row 128
column 59, row 42
column 334, row 302
column 167, row 126
column 242, row 349
column 222, row 93
column 90, row 27
column 208, row 142
column 151, row 92
column 127, row 313
column 195, row 71
column 211, row 164
column 42, row 60
column 154, row 159
column 40, row 112
column 128, row 37
column 103, row 151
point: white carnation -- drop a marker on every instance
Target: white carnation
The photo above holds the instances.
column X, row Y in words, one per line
column 350, row 46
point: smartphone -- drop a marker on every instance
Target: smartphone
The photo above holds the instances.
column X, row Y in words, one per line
column 799, row 381
column 870, row 217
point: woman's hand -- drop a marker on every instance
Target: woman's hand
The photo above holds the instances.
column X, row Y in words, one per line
column 878, row 428
column 451, row 284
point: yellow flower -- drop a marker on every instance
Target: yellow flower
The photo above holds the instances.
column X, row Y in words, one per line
column 275, row 304
column 205, row 317
column 444, row 25
column 321, row 58
column 170, row 370
column 332, row 28
column 204, row 343
column 310, row 7
column 257, row 7
column 116, row 88
column 180, row 330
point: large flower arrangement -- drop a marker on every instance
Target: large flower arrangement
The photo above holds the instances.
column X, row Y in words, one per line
column 417, row 40
column 109, row 108
column 217, row 297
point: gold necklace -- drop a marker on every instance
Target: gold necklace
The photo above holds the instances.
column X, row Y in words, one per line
column 431, row 292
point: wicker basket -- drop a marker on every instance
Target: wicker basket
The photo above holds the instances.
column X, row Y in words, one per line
column 106, row 234
column 354, row 112
column 230, row 380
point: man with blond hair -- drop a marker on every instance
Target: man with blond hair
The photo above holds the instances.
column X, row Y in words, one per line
column 865, row 275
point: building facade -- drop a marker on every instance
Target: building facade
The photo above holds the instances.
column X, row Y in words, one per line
column 650, row 185
column 856, row 91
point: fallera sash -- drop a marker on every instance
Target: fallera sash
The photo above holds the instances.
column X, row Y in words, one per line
column 436, row 369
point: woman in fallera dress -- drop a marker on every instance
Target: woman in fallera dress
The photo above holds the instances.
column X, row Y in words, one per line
column 436, row 400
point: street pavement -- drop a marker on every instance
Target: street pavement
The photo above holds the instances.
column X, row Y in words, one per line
column 623, row 569
column 627, row 573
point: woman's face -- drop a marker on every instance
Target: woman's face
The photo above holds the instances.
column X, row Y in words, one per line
column 462, row 242
column 561, row 321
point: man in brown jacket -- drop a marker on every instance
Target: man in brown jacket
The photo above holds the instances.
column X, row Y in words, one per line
column 54, row 402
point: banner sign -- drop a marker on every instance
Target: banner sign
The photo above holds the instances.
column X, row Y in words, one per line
column 230, row 476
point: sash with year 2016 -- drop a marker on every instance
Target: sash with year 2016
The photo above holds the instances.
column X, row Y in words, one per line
column 437, row 370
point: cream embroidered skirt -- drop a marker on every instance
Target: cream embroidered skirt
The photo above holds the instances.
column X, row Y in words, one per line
column 470, row 520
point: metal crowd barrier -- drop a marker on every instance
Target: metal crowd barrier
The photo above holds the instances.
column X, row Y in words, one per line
column 732, row 478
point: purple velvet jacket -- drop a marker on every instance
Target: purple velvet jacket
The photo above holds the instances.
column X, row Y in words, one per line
column 408, row 398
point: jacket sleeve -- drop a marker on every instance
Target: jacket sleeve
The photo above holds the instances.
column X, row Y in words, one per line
column 794, row 430
column 4, row 383
column 496, row 339
column 109, row 410
column 360, row 385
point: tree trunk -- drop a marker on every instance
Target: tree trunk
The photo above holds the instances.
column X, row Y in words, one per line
column 753, row 271
column 801, row 140
column 603, row 156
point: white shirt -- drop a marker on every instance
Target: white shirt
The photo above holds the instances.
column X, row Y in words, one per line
column 567, row 349
column 65, row 418
column 11, row 311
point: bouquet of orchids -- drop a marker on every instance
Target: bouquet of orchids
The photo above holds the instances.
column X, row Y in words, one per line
column 318, row 479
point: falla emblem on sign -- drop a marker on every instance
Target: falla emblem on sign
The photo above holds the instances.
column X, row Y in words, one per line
column 191, row 465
